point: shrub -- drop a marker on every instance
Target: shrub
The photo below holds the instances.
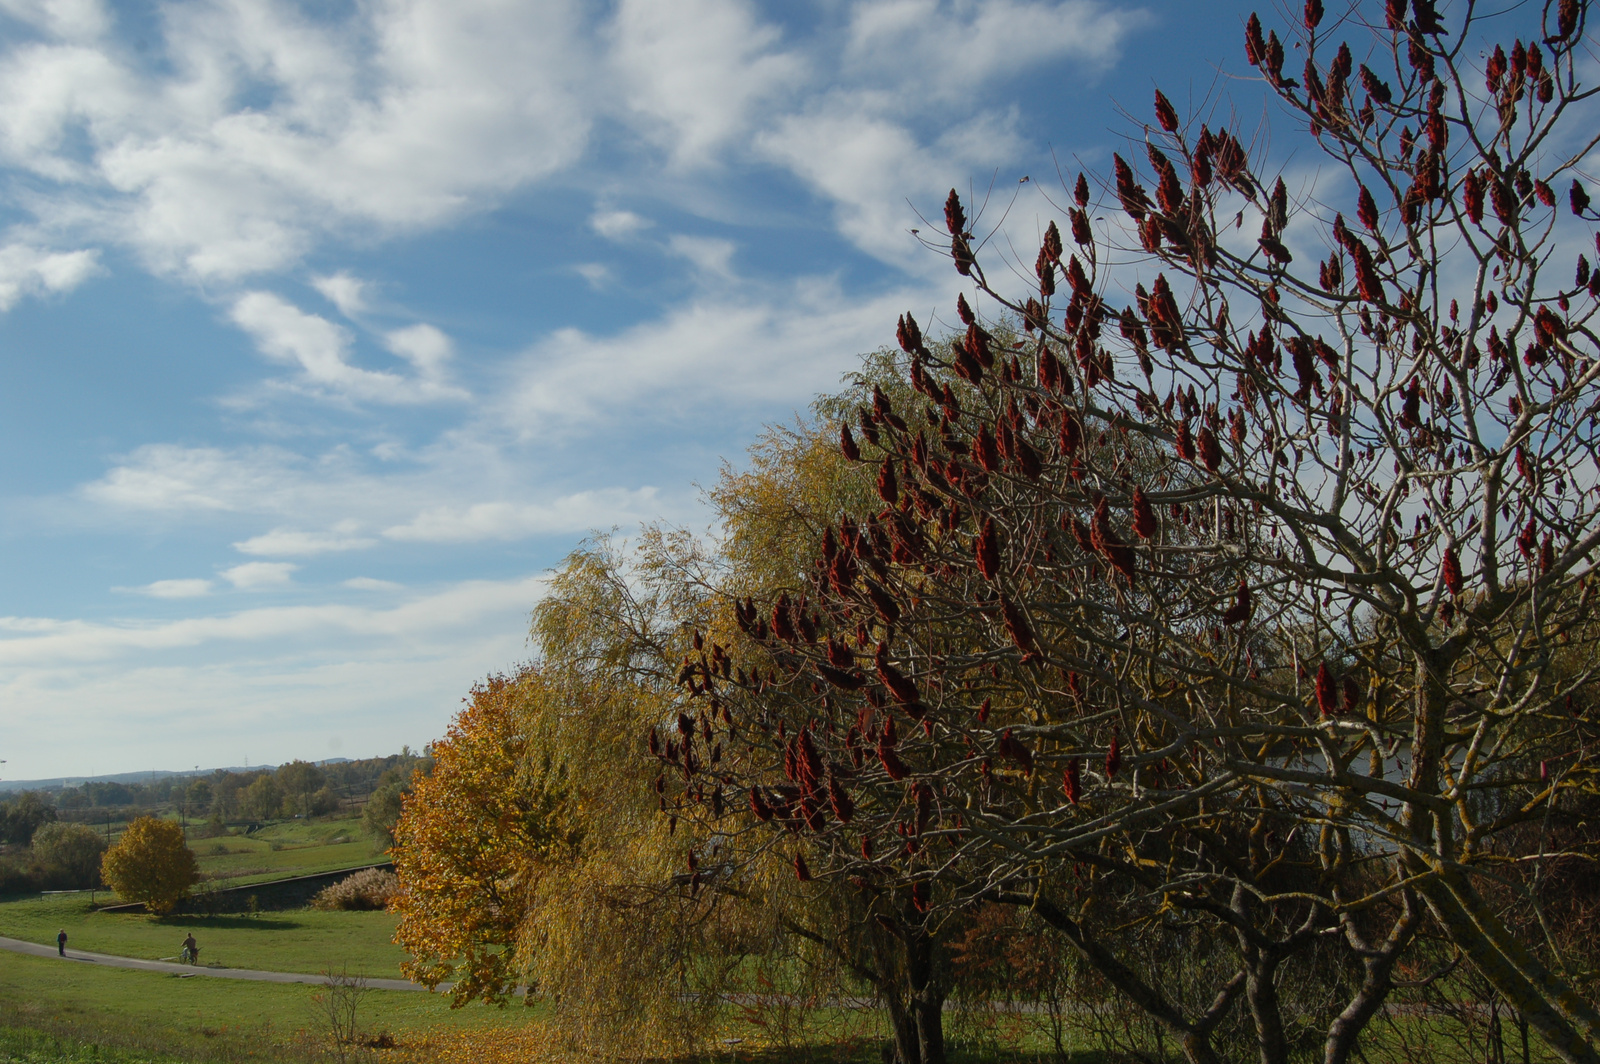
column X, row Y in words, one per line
column 368, row 889
column 23, row 814
column 263, row 799
column 323, row 802
column 18, row 874
column 70, row 853
column 382, row 812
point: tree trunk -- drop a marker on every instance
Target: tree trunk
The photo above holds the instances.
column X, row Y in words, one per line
column 1377, row 981
column 1261, row 985
column 907, row 1049
column 1261, row 991
column 906, row 977
column 926, row 999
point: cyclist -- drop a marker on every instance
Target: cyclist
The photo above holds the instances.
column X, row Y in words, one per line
column 190, row 953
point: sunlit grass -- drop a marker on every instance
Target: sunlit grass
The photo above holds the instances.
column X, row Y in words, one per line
column 302, row 940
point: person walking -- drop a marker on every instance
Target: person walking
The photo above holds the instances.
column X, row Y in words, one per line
column 61, row 942
column 191, row 950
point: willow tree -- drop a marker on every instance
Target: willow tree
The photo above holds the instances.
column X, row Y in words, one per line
column 533, row 854
column 1275, row 531
column 630, row 616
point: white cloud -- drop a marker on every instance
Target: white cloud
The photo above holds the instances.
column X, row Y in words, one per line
column 262, row 129
column 436, row 496
column 877, row 173
column 943, row 49
column 31, row 271
column 165, row 477
column 697, row 70
column 262, row 132
column 716, row 353
column 709, row 255
column 61, row 18
column 367, row 583
column 45, row 641
column 505, row 520
column 173, row 589
column 616, row 225
column 598, row 274
column 318, row 347
column 293, row 679
column 347, row 293
column 253, row 575
column 425, row 347
column 290, row 335
column 294, row 543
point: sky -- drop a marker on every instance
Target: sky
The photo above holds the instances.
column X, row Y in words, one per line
column 327, row 329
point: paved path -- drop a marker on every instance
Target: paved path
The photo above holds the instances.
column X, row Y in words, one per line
column 34, row 949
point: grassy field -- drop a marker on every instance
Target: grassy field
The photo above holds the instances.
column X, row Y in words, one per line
column 275, row 850
column 49, row 1007
column 61, row 1013
column 286, row 848
column 301, row 940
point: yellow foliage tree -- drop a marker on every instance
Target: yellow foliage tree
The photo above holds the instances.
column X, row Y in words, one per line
column 152, row 864
column 535, row 854
column 466, row 841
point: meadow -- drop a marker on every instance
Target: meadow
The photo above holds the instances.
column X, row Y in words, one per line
column 52, row 1010
column 299, row 940
column 285, row 848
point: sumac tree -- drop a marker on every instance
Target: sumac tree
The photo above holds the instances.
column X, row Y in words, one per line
column 1256, row 576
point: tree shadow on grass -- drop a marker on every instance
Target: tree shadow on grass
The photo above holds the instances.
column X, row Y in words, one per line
column 239, row 921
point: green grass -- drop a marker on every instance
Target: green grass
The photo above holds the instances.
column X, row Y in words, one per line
column 287, row 848
column 52, row 1008
column 301, row 940
column 26, row 1045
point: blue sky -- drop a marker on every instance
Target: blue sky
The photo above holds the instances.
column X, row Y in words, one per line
column 327, row 329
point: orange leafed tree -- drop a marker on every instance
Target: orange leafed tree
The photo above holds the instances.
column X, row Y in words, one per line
column 151, row 863
column 466, row 845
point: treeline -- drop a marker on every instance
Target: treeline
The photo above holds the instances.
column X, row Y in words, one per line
column 298, row 788
column 51, row 841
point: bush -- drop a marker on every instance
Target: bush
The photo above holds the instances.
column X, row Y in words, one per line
column 23, row 814
column 324, row 801
column 368, row 889
column 19, row 874
column 70, row 854
column 263, row 799
column 382, row 812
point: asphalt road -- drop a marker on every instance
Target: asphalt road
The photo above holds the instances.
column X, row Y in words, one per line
column 34, row 949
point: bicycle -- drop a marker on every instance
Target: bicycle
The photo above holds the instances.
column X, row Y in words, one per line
column 189, row 956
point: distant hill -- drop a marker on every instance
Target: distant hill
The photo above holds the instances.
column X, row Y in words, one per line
column 135, row 777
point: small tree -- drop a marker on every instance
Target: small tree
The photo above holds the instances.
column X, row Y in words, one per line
column 338, row 1007
column 382, row 811
column 197, row 799
column 263, row 799
column 300, row 780
column 150, row 863
column 71, row 852
column 21, row 816
column 467, row 832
